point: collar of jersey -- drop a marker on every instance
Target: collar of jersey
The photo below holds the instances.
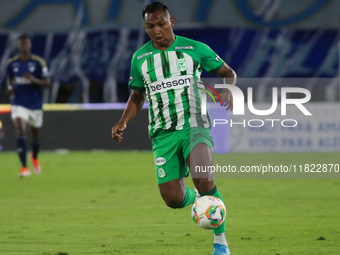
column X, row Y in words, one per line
column 24, row 61
column 169, row 48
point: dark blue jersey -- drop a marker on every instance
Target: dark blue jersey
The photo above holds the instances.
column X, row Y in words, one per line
column 26, row 93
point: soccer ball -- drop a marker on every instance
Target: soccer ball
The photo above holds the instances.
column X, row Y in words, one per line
column 208, row 212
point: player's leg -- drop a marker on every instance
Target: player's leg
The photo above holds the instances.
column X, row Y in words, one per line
column 201, row 154
column 173, row 192
column 35, row 149
column 35, row 121
column 20, row 127
column 171, row 170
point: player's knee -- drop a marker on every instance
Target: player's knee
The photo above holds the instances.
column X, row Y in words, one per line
column 35, row 139
column 173, row 201
column 204, row 184
column 35, row 134
column 21, row 131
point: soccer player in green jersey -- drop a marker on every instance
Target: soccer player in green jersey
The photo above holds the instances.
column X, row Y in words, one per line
column 167, row 70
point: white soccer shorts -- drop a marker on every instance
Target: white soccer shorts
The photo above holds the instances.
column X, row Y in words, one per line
column 32, row 117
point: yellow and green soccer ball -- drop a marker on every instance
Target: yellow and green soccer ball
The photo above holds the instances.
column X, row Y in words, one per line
column 208, row 212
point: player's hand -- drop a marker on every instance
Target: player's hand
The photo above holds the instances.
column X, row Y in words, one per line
column 117, row 131
column 10, row 90
column 227, row 99
column 29, row 76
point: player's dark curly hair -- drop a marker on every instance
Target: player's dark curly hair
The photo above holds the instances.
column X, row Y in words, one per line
column 153, row 7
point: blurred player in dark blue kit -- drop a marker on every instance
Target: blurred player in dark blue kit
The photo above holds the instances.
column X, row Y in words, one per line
column 27, row 75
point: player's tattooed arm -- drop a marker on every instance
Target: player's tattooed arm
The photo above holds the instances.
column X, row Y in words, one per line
column 45, row 82
column 230, row 77
column 133, row 107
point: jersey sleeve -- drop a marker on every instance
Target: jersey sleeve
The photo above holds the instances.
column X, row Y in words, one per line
column 136, row 82
column 211, row 62
column 44, row 73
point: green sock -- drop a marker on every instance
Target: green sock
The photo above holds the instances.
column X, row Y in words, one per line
column 214, row 192
column 190, row 196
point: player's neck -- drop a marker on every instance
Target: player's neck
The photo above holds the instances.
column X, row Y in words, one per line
column 163, row 48
column 24, row 56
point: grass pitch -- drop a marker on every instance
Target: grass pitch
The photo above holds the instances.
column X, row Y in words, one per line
column 108, row 203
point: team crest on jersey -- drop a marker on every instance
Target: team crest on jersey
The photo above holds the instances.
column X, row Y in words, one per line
column 161, row 172
column 31, row 67
column 181, row 65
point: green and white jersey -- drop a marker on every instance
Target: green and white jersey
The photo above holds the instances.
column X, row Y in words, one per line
column 170, row 79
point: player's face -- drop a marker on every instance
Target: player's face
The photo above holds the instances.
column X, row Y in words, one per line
column 158, row 26
column 24, row 45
